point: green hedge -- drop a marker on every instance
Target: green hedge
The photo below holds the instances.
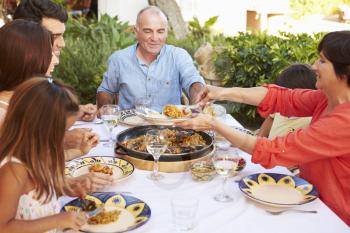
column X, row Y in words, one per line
column 249, row 60
column 88, row 45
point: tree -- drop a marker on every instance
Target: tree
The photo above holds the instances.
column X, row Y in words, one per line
column 173, row 12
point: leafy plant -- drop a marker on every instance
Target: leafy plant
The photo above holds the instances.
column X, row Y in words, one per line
column 89, row 43
column 200, row 32
column 198, row 35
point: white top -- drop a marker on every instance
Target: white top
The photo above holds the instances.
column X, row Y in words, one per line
column 30, row 208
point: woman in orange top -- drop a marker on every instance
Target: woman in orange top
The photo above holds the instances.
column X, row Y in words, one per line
column 321, row 150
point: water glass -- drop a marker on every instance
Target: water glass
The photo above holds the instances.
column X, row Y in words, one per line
column 141, row 103
column 110, row 117
column 184, row 211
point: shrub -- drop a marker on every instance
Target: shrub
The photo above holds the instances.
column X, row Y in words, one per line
column 249, row 60
column 89, row 43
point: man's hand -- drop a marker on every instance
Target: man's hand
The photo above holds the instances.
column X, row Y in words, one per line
column 104, row 98
column 87, row 112
column 195, row 90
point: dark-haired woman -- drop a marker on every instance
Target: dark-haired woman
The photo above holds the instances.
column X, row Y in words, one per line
column 25, row 50
column 321, row 150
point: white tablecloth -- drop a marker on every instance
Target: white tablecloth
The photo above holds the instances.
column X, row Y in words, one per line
column 241, row 215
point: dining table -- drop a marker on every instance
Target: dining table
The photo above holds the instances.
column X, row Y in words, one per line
column 241, row 215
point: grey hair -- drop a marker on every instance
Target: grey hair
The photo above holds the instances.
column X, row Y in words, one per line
column 153, row 9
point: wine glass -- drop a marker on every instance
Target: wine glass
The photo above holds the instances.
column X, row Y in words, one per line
column 110, row 117
column 156, row 144
column 225, row 161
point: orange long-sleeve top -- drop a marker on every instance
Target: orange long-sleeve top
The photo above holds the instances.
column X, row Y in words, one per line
column 321, row 150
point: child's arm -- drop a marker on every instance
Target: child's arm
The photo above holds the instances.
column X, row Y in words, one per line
column 13, row 180
column 265, row 127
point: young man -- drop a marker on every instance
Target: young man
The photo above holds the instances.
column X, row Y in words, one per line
column 53, row 17
column 150, row 68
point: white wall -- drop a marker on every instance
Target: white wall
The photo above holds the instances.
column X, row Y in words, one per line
column 232, row 14
column 125, row 9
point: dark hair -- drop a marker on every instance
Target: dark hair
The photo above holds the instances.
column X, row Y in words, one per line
column 336, row 48
column 35, row 10
column 297, row 76
column 34, row 129
column 25, row 50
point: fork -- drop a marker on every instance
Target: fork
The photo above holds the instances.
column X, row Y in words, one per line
column 278, row 212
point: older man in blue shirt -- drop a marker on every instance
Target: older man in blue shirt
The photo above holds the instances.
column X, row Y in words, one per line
column 150, row 68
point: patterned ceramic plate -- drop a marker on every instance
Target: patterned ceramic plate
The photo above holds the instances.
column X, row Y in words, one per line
column 129, row 117
column 120, row 167
column 133, row 212
column 278, row 190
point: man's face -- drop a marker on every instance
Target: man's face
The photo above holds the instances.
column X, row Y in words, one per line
column 151, row 32
column 57, row 29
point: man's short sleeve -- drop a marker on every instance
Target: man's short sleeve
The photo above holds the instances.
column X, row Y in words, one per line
column 110, row 82
column 188, row 72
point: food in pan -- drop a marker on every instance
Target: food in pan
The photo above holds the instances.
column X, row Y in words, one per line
column 101, row 168
column 178, row 142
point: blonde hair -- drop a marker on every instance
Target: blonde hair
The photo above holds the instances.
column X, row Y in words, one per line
column 34, row 129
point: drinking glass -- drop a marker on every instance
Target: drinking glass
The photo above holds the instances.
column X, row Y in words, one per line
column 156, row 144
column 184, row 211
column 143, row 102
column 110, row 116
column 225, row 161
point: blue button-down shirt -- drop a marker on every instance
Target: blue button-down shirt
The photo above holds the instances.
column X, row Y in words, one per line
column 163, row 80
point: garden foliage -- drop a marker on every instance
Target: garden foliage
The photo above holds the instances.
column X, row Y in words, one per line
column 88, row 45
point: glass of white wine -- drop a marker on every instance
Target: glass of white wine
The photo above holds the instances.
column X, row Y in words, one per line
column 156, row 144
column 110, row 117
column 225, row 161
